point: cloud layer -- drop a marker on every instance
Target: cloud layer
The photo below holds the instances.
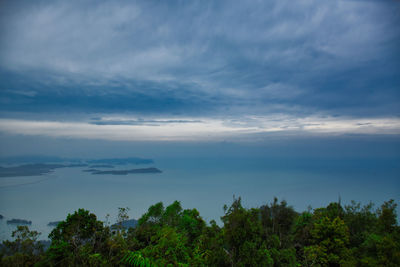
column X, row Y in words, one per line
column 195, row 59
column 245, row 129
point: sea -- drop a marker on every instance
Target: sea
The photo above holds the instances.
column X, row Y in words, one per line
column 204, row 183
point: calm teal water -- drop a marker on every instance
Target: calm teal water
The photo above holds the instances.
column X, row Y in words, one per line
column 203, row 183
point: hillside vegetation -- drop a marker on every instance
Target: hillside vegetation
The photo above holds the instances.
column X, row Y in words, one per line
column 271, row 235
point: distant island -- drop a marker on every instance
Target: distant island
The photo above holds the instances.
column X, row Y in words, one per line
column 29, row 169
column 42, row 165
column 53, row 224
column 132, row 223
column 34, row 169
column 36, row 159
column 1, row 217
column 18, row 221
column 124, row 172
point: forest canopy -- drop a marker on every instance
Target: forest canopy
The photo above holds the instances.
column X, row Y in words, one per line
column 271, row 235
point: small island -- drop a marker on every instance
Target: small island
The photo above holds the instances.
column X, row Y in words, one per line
column 19, row 221
column 35, row 169
column 28, row 170
column 39, row 165
column 53, row 224
column 132, row 223
column 124, row 172
column 1, row 217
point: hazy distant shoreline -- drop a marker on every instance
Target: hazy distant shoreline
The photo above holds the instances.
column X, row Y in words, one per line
column 124, row 172
column 36, row 166
column 33, row 169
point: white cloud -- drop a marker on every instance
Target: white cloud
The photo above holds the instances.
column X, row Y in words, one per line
column 187, row 129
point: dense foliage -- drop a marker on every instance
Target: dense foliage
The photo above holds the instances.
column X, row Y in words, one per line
column 271, row 235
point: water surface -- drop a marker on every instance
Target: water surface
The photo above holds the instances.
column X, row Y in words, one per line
column 203, row 183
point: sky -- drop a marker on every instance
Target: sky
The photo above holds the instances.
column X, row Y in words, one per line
column 179, row 72
column 295, row 99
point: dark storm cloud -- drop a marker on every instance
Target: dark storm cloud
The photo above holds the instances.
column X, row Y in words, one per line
column 339, row 58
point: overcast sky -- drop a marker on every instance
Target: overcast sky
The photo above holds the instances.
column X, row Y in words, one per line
column 199, row 70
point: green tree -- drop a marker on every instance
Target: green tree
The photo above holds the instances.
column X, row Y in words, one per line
column 122, row 217
column 25, row 250
column 243, row 237
column 272, row 235
column 330, row 238
column 209, row 250
column 387, row 219
column 168, row 247
column 302, row 233
column 361, row 221
column 382, row 246
column 77, row 239
column 278, row 219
